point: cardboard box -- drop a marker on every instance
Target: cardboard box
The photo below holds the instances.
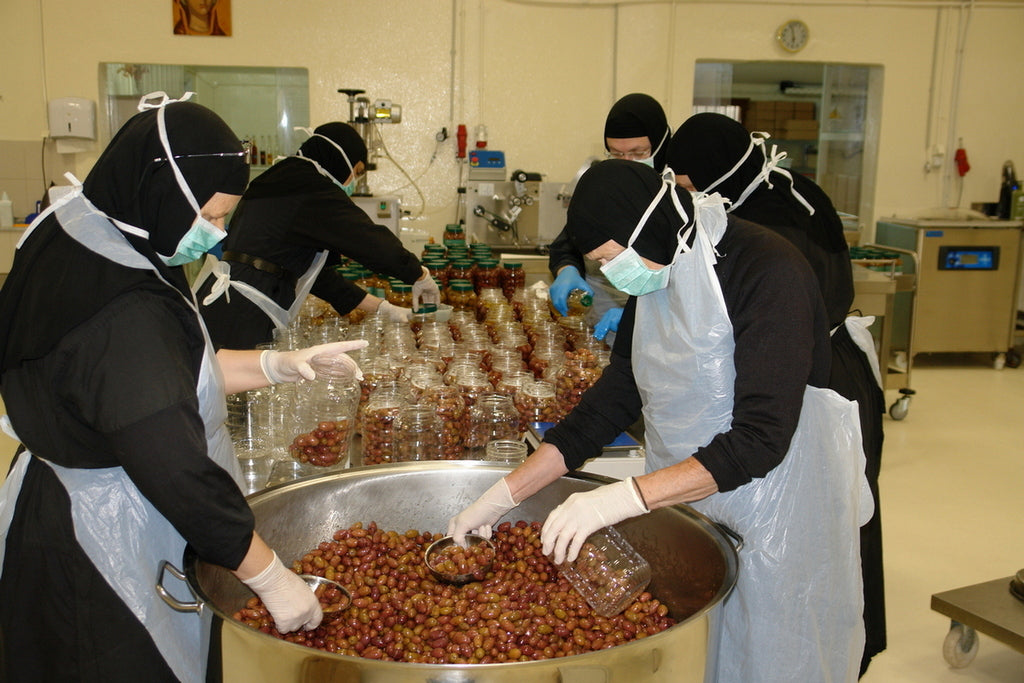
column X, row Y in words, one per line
column 803, row 110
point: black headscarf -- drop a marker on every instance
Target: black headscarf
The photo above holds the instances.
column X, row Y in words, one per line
column 327, row 155
column 57, row 284
column 708, row 145
column 609, row 201
column 638, row 115
column 133, row 182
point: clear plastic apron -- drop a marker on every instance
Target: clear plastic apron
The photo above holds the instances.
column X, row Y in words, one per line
column 796, row 611
column 124, row 536
column 281, row 317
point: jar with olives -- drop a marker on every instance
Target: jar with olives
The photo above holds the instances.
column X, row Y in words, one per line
column 579, row 374
column 328, row 415
column 513, row 277
column 454, row 231
column 401, row 295
column 536, row 402
column 447, row 402
column 461, row 296
column 378, row 426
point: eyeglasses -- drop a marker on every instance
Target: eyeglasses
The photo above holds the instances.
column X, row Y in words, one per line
column 197, row 156
column 631, row 155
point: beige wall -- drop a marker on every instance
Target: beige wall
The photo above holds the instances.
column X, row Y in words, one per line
column 542, row 76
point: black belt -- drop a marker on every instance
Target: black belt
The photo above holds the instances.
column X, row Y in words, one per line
column 259, row 264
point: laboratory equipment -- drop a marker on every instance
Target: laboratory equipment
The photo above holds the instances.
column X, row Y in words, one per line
column 365, row 116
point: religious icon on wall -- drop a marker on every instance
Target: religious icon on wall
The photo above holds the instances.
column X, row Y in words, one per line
column 202, row 17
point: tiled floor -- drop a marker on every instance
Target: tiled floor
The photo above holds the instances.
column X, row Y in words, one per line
column 952, row 511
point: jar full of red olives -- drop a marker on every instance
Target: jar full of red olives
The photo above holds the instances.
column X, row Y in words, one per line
column 327, row 408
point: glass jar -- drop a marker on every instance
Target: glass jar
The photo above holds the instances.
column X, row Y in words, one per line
column 505, row 451
column 486, row 297
column 492, row 417
column 608, row 572
column 577, row 303
column 536, row 402
column 401, row 295
column 513, row 277
column 454, row 231
column 579, row 374
column 473, row 384
column 450, row 407
column 461, row 296
column 438, row 269
column 327, row 415
column 460, row 269
column 378, row 426
column 543, row 358
column 417, row 434
column 488, row 275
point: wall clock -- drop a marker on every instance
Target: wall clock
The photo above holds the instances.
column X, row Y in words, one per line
column 793, row 35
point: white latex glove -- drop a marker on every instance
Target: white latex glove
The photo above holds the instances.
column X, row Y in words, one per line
column 569, row 524
column 291, row 366
column 289, row 600
column 482, row 513
column 397, row 314
column 425, row 290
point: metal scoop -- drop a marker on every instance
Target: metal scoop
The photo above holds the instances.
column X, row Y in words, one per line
column 324, row 589
column 434, row 558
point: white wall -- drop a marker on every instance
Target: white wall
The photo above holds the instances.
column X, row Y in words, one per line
column 541, row 76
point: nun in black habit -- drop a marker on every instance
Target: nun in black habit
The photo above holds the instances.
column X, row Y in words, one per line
column 118, row 401
column 724, row 349
column 294, row 223
column 635, row 129
column 713, row 153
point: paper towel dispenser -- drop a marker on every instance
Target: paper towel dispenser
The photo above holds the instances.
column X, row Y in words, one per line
column 72, row 117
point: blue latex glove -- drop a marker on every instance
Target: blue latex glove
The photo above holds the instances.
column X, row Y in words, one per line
column 568, row 279
column 609, row 322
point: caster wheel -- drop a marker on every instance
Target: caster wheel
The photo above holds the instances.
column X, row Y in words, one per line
column 1000, row 361
column 960, row 646
column 1013, row 358
column 899, row 409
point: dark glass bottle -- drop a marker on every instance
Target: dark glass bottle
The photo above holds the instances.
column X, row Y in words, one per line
column 1006, row 190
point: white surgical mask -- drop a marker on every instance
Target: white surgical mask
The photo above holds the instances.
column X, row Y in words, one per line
column 203, row 235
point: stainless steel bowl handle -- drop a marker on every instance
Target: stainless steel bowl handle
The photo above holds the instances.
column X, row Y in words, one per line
column 737, row 540
column 172, row 601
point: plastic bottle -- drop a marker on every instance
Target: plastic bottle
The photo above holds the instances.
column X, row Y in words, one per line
column 6, row 212
column 1006, row 190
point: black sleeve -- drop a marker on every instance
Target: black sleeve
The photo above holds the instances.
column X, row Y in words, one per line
column 563, row 252
column 134, row 380
column 606, row 409
column 340, row 293
column 779, row 328
column 330, row 220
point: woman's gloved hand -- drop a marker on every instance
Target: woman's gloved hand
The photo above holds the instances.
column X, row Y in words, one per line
column 609, row 322
column 482, row 513
column 287, row 597
column 291, row 366
column 567, row 280
column 425, row 290
column 569, row 524
column 396, row 314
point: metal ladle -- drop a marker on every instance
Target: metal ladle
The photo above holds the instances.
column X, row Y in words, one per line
column 316, row 582
column 435, row 548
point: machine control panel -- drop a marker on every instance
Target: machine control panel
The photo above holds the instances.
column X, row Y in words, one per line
column 968, row 258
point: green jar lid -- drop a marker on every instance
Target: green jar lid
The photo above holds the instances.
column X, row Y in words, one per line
column 453, row 227
column 461, row 286
column 426, row 308
column 401, row 287
column 462, row 263
column 454, row 243
column 513, row 265
column 488, row 263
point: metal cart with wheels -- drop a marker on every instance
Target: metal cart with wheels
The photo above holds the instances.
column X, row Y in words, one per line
column 896, row 325
column 988, row 608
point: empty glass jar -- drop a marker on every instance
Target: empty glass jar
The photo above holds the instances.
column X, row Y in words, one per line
column 492, row 417
column 417, row 434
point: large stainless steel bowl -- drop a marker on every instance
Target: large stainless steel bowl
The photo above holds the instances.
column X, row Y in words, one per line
column 693, row 563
